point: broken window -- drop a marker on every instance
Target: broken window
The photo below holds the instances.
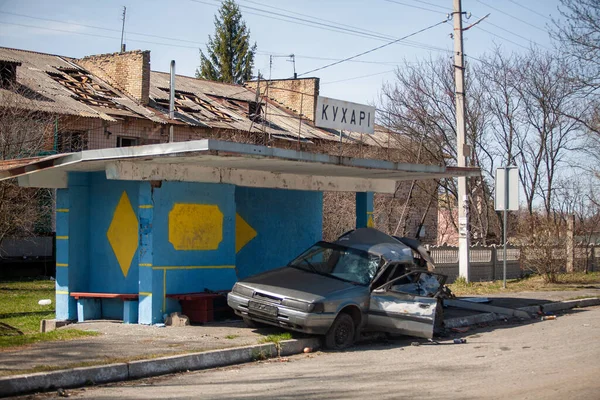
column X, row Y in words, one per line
column 126, row 141
column 8, row 73
column 72, row 141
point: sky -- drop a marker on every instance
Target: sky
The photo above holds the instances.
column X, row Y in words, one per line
column 317, row 32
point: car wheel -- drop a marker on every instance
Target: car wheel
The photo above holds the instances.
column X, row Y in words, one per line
column 341, row 333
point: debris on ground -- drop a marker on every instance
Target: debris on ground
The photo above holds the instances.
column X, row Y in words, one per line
column 459, row 341
column 62, row 392
column 177, row 319
column 548, row 317
column 415, row 344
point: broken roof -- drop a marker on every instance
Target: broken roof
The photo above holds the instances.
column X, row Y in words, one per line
column 58, row 85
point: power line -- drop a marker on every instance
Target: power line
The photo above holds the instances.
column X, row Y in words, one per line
column 318, row 25
column 530, row 9
column 413, row 6
column 434, row 5
column 516, row 34
column 299, row 21
column 358, row 77
column 316, row 18
column 100, row 27
column 375, row 48
column 512, row 16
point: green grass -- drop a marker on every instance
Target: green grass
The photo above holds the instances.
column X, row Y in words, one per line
column 232, row 336
column 19, row 309
column 529, row 284
column 276, row 338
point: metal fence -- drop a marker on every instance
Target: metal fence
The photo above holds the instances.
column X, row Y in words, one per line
column 487, row 261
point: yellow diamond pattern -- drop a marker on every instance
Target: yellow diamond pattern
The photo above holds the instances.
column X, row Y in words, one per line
column 244, row 233
column 195, row 226
column 123, row 233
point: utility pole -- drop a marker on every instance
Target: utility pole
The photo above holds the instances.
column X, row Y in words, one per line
column 122, row 50
column 462, row 148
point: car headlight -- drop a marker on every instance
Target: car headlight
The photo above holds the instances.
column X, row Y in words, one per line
column 303, row 306
column 243, row 290
column 316, row 308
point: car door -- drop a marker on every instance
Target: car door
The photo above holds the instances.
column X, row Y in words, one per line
column 406, row 305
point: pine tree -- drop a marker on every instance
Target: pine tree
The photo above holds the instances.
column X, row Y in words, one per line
column 229, row 57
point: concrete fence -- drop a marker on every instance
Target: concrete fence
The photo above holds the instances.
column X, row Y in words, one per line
column 487, row 261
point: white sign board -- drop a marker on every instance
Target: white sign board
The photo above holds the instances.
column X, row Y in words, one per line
column 512, row 187
column 338, row 114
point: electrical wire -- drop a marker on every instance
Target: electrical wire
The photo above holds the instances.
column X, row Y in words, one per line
column 413, row 6
column 357, row 77
column 317, row 18
column 531, row 10
column 375, row 48
column 434, row 5
column 512, row 16
column 100, row 27
column 318, row 25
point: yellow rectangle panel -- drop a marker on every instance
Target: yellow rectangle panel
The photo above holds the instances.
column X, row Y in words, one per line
column 145, row 206
column 62, row 292
column 62, row 210
column 62, row 238
column 62, row 265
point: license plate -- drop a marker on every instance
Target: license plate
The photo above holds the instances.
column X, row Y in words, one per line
column 262, row 308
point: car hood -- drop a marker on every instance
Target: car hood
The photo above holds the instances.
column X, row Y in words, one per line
column 296, row 283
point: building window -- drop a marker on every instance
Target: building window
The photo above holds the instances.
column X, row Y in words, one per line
column 8, row 74
column 126, row 141
column 69, row 142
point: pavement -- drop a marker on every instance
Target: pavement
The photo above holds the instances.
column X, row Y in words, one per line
column 163, row 350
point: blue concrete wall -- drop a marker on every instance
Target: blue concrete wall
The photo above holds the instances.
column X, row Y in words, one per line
column 286, row 222
column 174, row 238
column 72, row 244
column 106, row 274
column 193, row 239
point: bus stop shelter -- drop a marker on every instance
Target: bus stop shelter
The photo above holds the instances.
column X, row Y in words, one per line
column 137, row 224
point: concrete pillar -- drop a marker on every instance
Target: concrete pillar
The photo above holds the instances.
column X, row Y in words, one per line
column 364, row 210
column 150, row 289
column 570, row 244
column 72, row 244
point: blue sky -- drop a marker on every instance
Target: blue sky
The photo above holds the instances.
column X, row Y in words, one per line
column 176, row 29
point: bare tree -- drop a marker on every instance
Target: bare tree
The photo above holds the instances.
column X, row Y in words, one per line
column 579, row 36
column 23, row 134
column 421, row 105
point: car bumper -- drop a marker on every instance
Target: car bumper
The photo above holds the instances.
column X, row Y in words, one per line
column 312, row 323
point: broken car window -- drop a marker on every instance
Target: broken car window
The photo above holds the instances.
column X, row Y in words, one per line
column 417, row 283
column 338, row 262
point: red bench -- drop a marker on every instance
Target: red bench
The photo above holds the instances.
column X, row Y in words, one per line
column 89, row 305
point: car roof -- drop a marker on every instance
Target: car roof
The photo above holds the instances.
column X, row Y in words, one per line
column 377, row 243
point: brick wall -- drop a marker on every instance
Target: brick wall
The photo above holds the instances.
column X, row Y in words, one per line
column 298, row 95
column 129, row 71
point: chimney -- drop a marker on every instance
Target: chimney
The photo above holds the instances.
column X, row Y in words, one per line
column 293, row 94
column 129, row 71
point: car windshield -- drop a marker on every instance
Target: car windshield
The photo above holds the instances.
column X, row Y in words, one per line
column 338, row 262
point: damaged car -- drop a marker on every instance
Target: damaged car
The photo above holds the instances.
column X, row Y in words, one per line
column 364, row 281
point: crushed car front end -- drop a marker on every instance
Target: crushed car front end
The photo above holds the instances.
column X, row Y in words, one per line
column 273, row 309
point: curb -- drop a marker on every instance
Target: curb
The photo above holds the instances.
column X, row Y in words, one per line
column 550, row 307
column 79, row 377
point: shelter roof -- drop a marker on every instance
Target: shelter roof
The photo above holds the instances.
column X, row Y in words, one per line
column 241, row 164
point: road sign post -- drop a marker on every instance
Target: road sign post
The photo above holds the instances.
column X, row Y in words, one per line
column 506, row 199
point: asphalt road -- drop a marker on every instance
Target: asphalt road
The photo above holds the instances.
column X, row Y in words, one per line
column 554, row 359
